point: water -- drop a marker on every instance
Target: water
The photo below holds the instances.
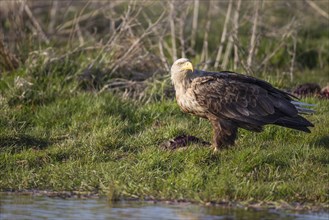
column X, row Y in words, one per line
column 13, row 206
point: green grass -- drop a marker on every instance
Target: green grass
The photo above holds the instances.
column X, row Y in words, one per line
column 79, row 141
column 58, row 132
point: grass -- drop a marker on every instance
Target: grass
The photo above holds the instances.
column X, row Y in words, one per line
column 65, row 126
column 53, row 138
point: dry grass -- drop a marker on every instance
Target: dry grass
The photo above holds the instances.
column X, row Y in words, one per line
column 126, row 33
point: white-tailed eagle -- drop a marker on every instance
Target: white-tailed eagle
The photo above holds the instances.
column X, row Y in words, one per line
column 230, row 101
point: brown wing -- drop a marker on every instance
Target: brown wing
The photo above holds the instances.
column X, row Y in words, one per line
column 248, row 102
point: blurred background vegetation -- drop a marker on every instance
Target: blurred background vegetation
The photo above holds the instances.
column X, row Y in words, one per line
column 48, row 48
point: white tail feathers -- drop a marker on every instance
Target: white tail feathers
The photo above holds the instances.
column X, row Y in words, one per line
column 303, row 108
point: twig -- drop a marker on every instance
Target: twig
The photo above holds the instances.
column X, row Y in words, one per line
column 227, row 52
column 79, row 49
column 317, row 8
column 86, row 16
column 293, row 57
column 248, row 70
column 204, row 54
column 53, row 14
column 162, row 56
column 182, row 19
column 9, row 60
column 117, row 33
column 161, row 44
column 134, row 45
column 252, row 46
column 172, row 30
column 76, row 28
column 235, row 34
column 269, row 56
column 286, row 33
column 80, row 36
column 36, row 24
column 194, row 23
column 223, row 38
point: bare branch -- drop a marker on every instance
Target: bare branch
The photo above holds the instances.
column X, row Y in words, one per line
column 194, row 23
column 53, row 13
column 8, row 60
column 224, row 33
column 162, row 56
column 36, row 23
column 252, row 46
column 317, row 8
column 227, row 52
column 285, row 33
column 172, row 29
column 269, row 56
column 147, row 32
column 161, row 44
column 86, row 16
column 182, row 19
column 204, row 55
column 293, row 57
column 235, row 34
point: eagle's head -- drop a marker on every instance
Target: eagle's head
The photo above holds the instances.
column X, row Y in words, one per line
column 180, row 70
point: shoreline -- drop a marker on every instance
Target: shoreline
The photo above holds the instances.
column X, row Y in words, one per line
column 254, row 205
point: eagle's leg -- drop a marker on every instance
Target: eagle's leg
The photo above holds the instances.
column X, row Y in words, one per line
column 224, row 134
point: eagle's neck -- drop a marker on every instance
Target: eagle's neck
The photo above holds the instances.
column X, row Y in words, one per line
column 182, row 81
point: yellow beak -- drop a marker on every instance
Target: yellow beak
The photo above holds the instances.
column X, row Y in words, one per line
column 188, row 66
